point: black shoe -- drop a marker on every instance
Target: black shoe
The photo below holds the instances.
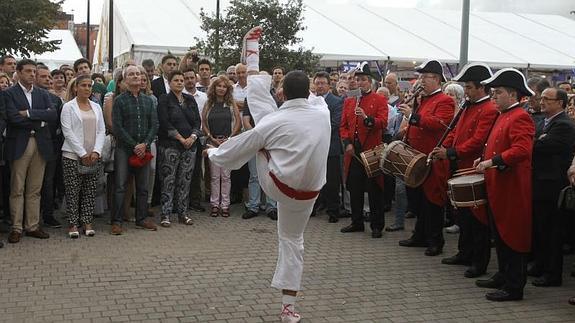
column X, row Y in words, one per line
column 1, row 244
column 433, row 251
column 473, row 272
column 332, row 219
column 273, row 214
column 197, row 208
column 456, row 260
column 411, row 242
column 376, row 234
column 352, row 228
column 313, row 213
column 495, row 281
column 545, row 282
column 503, row 296
column 51, row 222
column 249, row 214
column 534, row 271
column 409, row 215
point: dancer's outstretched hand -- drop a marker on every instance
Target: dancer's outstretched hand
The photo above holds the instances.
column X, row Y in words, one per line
column 250, row 49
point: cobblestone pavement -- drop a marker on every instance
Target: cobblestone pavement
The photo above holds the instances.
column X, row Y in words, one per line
column 219, row 270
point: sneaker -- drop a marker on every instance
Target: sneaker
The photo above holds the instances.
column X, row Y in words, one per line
column 147, row 224
column 288, row 316
column 165, row 222
column 273, row 214
column 452, row 229
column 51, row 222
column 73, row 232
column 249, row 214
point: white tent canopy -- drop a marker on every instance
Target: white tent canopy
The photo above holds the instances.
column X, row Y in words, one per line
column 354, row 31
column 66, row 54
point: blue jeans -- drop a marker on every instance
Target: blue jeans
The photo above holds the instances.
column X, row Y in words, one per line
column 122, row 171
column 400, row 202
column 255, row 191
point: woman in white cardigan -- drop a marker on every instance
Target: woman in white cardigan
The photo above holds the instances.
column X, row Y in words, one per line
column 83, row 127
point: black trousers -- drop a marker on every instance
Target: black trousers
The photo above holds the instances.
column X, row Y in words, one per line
column 357, row 184
column 474, row 242
column 512, row 265
column 47, row 194
column 547, row 244
column 329, row 194
column 429, row 224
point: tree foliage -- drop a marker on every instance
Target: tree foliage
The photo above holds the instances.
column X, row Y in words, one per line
column 281, row 21
column 24, row 25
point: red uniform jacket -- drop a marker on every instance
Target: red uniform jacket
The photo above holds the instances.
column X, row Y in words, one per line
column 510, row 146
column 427, row 126
column 466, row 142
column 370, row 131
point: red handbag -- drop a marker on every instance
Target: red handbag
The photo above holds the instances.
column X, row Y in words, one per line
column 137, row 162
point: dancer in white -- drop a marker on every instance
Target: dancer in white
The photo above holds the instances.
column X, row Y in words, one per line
column 291, row 147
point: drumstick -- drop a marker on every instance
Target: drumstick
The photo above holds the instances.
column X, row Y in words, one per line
column 471, row 171
column 464, row 170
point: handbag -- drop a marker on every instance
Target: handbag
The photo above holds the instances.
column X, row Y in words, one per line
column 88, row 170
column 566, row 200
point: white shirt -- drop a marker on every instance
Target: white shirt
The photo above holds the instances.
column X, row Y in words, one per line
column 73, row 129
column 166, row 84
column 200, row 97
column 240, row 92
column 27, row 93
column 297, row 137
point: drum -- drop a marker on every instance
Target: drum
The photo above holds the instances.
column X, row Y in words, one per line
column 370, row 159
column 401, row 160
column 467, row 190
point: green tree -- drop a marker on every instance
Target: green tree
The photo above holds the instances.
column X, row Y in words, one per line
column 279, row 45
column 24, row 25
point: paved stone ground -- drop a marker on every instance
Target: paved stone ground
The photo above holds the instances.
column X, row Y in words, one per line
column 219, row 270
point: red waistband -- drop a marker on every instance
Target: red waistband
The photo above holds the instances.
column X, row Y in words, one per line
column 290, row 192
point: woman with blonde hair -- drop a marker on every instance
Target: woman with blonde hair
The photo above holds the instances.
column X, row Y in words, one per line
column 221, row 121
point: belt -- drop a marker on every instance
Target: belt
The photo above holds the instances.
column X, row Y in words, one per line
column 288, row 191
column 293, row 193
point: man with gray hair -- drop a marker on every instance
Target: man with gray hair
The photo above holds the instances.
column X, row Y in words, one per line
column 231, row 73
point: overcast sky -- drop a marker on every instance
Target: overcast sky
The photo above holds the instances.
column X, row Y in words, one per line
column 561, row 7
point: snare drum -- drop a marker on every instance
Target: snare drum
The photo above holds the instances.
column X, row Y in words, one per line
column 467, row 190
column 401, row 160
column 370, row 159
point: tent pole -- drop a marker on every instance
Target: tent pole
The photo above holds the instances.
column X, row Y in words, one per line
column 464, row 45
column 217, row 44
column 88, row 33
column 111, row 36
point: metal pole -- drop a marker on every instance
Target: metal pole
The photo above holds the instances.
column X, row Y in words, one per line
column 217, row 43
column 111, row 36
column 464, row 45
column 88, row 33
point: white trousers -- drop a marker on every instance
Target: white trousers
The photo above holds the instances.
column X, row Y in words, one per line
column 293, row 216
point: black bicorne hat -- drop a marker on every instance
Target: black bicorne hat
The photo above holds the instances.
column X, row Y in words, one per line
column 474, row 72
column 509, row 77
column 362, row 69
column 431, row 66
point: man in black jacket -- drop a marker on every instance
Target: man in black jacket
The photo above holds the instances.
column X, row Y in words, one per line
column 161, row 86
column 552, row 154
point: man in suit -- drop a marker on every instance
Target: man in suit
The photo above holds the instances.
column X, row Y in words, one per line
column 426, row 126
column 506, row 162
column 161, row 86
column 47, row 200
column 552, row 154
column 363, row 122
column 330, row 192
column 28, row 146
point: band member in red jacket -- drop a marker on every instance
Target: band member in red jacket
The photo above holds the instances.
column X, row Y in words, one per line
column 461, row 147
column 426, row 126
column 506, row 163
column 363, row 122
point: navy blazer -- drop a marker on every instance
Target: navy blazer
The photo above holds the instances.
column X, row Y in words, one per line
column 335, row 106
column 158, row 87
column 552, row 155
column 19, row 128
